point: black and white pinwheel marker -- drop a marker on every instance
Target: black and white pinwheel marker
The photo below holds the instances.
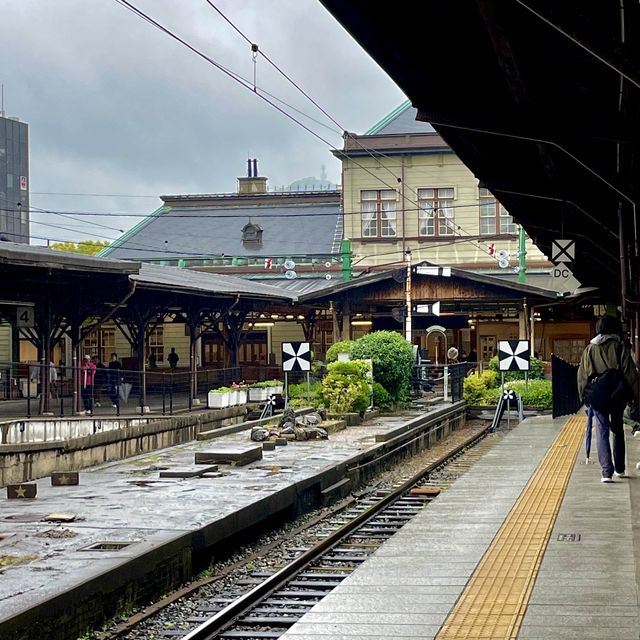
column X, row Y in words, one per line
column 296, row 356
column 514, row 355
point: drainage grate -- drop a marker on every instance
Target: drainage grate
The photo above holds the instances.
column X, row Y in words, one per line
column 106, row 546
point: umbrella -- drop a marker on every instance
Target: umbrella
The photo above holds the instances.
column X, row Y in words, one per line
column 588, row 435
column 124, row 391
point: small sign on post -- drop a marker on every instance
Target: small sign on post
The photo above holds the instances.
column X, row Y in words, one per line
column 296, row 356
column 514, row 355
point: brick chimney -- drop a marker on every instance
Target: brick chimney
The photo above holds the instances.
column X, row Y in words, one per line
column 252, row 183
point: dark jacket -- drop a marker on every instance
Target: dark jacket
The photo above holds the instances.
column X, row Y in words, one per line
column 602, row 353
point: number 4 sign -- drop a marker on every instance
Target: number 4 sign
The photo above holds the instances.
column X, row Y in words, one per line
column 25, row 317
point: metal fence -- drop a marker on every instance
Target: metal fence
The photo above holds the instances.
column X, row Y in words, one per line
column 564, row 387
column 114, row 391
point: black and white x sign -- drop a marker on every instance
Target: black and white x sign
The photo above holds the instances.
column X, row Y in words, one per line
column 563, row 250
column 514, row 355
column 296, row 356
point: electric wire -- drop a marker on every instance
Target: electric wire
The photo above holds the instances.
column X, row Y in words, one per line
column 247, row 85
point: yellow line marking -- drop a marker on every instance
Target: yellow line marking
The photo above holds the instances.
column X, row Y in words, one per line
column 494, row 602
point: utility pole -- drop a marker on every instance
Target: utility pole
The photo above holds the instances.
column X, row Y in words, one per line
column 522, row 257
column 407, row 295
column 345, row 259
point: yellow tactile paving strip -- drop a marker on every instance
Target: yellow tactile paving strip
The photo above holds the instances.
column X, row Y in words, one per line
column 495, row 599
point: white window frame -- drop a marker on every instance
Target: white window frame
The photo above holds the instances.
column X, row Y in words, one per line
column 379, row 213
column 496, row 219
column 436, row 220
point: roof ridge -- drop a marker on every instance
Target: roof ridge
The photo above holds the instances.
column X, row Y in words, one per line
column 388, row 118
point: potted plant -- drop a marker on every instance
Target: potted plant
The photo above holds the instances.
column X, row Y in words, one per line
column 258, row 392
column 218, row 398
column 241, row 393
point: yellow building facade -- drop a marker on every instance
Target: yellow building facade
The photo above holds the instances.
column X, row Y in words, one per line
column 404, row 188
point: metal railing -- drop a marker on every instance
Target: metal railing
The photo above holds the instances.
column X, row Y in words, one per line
column 114, row 391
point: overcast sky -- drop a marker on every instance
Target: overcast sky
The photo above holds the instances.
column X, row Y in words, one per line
column 114, row 106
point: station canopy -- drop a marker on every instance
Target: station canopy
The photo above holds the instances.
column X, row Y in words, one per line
column 538, row 98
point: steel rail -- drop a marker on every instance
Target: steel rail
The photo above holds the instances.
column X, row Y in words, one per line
column 232, row 612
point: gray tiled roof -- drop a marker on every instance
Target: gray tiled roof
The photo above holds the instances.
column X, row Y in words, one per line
column 181, row 232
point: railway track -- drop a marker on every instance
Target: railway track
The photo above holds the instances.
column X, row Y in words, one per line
column 265, row 604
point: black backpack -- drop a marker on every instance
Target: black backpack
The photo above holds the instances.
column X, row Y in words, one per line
column 608, row 390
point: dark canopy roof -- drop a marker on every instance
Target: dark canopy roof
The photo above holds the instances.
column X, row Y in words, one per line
column 530, row 95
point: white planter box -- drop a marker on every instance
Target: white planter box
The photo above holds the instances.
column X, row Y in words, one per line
column 278, row 389
column 217, row 400
column 233, row 398
column 257, row 394
column 242, row 396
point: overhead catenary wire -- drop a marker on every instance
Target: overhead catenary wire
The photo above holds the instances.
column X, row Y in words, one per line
column 248, row 85
column 259, row 51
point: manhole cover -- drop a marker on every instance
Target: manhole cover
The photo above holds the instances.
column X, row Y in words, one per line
column 107, row 546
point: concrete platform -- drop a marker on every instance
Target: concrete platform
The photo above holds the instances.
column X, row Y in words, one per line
column 137, row 534
column 587, row 583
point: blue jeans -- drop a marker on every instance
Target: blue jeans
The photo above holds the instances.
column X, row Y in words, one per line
column 605, row 424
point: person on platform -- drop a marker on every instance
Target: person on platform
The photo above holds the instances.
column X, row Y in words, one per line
column 607, row 351
column 173, row 358
column 87, row 380
column 115, row 375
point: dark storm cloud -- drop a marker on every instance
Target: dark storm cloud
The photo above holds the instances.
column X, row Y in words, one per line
column 115, row 106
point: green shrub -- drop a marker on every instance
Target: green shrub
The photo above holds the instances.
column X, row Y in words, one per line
column 536, row 372
column 392, row 358
column 476, row 385
column 538, row 394
column 345, row 388
column 381, row 397
column 343, row 346
column 301, row 391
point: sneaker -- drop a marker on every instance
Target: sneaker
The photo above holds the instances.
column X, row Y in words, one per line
column 620, row 475
column 606, row 479
column 97, row 404
column 115, row 406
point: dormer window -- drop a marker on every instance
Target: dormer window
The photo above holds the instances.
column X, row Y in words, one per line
column 251, row 234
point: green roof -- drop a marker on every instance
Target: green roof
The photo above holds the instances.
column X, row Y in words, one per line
column 387, row 119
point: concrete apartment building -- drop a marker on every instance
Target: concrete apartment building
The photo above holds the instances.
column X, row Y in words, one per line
column 14, row 179
column 14, row 200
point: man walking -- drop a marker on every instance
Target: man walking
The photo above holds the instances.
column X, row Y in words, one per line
column 173, row 358
column 607, row 351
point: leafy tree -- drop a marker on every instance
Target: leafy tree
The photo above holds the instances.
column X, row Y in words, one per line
column 88, row 247
column 392, row 359
column 343, row 346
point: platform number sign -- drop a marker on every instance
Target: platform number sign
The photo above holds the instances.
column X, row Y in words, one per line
column 514, row 355
column 296, row 356
column 25, row 317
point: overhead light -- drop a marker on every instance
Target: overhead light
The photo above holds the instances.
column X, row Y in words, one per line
column 361, row 323
column 300, row 317
column 274, row 316
column 289, row 317
column 259, row 325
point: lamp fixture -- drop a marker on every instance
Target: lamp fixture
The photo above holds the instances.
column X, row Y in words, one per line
column 361, row 323
column 260, row 325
